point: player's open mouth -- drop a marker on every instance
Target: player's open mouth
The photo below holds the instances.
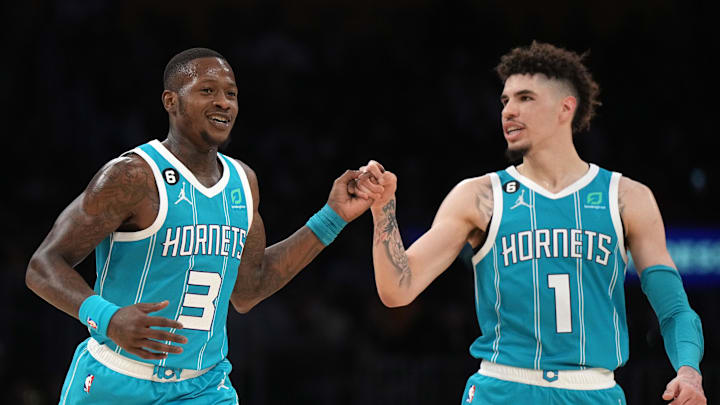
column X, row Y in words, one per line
column 512, row 133
column 219, row 121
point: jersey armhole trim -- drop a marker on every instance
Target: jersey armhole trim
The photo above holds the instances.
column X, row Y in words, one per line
column 615, row 213
column 162, row 210
column 246, row 188
column 494, row 221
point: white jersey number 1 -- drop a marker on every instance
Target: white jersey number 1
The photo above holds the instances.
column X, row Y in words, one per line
column 204, row 301
column 563, row 317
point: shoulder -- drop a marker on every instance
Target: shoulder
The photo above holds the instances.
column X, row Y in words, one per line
column 474, row 185
column 125, row 181
column 471, row 199
column 628, row 185
column 633, row 194
column 252, row 179
column 127, row 170
column 637, row 206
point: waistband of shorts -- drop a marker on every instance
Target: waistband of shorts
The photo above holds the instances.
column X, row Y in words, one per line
column 137, row 369
column 587, row 379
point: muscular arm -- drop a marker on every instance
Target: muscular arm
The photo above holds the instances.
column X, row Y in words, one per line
column 264, row 270
column 402, row 275
column 645, row 236
column 644, row 228
column 119, row 195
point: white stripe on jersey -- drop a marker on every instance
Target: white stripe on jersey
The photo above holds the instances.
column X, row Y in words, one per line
column 146, row 269
column 67, row 391
column 498, row 300
column 579, row 268
column 536, row 286
column 107, row 264
column 191, row 263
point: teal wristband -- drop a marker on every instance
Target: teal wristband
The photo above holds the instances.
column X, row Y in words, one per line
column 326, row 224
column 95, row 312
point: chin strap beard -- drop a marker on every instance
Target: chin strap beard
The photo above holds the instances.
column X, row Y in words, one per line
column 515, row 156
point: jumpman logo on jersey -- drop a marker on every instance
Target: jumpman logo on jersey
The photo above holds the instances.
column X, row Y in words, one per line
column 521, row 201
column 182, row 196
column 222, row 383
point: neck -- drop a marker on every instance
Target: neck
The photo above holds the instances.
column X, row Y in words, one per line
column 201, row 159
column 553, row 164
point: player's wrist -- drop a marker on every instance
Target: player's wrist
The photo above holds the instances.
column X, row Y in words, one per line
column 326, row 224
column 95, row 313
column 689, row 371
column 383, row 207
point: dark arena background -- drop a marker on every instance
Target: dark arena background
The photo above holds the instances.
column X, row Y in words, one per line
column 325, row 86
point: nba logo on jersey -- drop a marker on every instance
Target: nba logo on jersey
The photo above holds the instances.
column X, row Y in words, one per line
column 92, row 323
column 471, row 394
column 88, row 383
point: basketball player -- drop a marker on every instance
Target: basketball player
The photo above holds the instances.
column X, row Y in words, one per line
column 550, row 238
column 177, row 237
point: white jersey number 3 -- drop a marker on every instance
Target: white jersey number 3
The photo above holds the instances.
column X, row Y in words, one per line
column 204, row 301
column 563, row 317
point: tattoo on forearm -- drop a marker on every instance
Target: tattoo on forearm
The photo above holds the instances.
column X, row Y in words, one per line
column 387, row 234
column 263, row 271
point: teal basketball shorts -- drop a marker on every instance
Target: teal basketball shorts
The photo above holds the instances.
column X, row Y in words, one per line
column 497, row 384
column 98, row 375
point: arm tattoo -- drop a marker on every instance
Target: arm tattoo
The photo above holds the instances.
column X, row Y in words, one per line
column 263, row 271
column 388, row 234
column 111, row 199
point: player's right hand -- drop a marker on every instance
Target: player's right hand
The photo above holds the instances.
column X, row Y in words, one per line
column 130, row 328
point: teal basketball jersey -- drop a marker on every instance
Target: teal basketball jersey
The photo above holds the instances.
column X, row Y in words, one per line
column 188, row 256
column 549, row 277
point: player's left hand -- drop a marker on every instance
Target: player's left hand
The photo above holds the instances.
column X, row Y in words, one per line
column 345, row 202
column 686, row 388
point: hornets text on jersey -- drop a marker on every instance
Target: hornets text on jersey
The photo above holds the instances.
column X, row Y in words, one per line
column 188, row 256
column 549, row 278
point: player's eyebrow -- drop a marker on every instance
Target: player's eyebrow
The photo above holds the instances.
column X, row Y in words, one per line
column 216, row 80
column 523, row 92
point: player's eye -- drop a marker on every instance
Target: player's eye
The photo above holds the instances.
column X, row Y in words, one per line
column 232, row 94
column 525, row 98
column 207, row 90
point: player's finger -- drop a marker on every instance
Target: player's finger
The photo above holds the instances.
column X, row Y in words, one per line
column 149, row 307
column 367, row 185
column 142, row 353
column 351, row 187
column 670, row 391
column 161, row 347
column 365, row 189
column 684, row 396
column 375, row 169
column 362, row 194
column 162, row 322
column 376, row 163
column 347, row 176
column 163, row 336
column 387, row 178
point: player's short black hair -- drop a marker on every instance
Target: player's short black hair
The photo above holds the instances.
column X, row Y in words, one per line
column 176, row 64
column 556, row 63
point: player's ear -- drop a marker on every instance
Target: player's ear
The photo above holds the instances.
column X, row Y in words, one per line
column 567, row 108
column 170, row 101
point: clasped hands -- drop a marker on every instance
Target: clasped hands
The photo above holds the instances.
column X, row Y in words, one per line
column 374, row 183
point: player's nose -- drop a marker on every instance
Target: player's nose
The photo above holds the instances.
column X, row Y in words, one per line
column 509, row 111
column 222, row 101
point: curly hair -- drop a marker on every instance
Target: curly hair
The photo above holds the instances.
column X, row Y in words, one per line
column 556, row 63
